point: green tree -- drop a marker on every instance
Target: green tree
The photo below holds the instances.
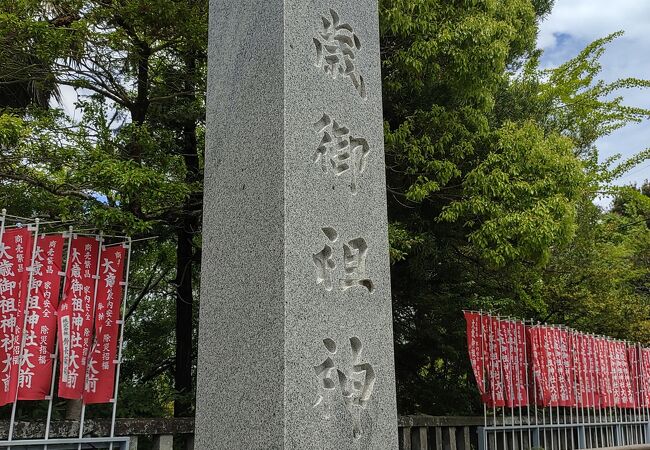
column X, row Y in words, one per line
column 131, row 160
column 491, row 170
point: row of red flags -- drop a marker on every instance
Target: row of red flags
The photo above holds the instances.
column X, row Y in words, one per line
column 516, row 365
column 83, row 317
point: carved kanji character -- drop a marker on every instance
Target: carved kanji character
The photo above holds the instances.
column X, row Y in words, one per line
column 355, row 254
column 324, row 262
column 336, row 47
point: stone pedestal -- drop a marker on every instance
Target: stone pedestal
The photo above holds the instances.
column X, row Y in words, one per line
column 296, row 343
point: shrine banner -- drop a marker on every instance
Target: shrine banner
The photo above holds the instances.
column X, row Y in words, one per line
column 100, row 380
column 507, row 361
column 495, row 392
column 76, row 315
column 604, row 374
column 15, row 258
column 584, row 370
column 40, row 329
column 578, row 371
column 633, row 361
column 644, row 376
column 475, row 348
column 622, row 376
column 543, row 369
column 564, row 363
column 516, row 338
column 551, row 363
column 566, row 368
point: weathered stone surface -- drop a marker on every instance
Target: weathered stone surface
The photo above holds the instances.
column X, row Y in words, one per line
column 295, row 302
column 164, row 442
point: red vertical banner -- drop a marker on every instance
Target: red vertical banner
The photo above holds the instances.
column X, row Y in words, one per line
column 615, row 373
column 578, row 369
column 566, row 394
column 627, row 396
column 644, row 376
column 633, row 367
column 40, row 330
column 592, row 370
column 551, row 362
column 15, row 258
column 540, row 365
column 604, row 374
column 521, row 363
column 76, row 315
column 507, row 361
column 100, row 380
column 474, row 322
column 495, row 367
column 586, row 356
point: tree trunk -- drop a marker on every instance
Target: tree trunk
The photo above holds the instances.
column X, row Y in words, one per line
column 185, row 257
column 184, row 323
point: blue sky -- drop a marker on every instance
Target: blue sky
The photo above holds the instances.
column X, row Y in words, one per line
column 575, row 23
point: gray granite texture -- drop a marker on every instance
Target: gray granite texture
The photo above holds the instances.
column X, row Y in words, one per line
column 295, row 343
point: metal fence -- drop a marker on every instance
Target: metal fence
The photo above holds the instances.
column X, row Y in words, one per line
column 415, row 433
column 473, row 433
column 613, row 431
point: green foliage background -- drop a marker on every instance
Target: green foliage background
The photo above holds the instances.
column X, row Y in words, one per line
column 492, row 172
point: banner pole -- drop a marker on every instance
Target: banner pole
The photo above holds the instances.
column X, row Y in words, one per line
column 616, row 373
column 485, row 434
column 572, row 375
column 127, row 245
column 555, row 375
column 644, row 399
column 55, row 355
column 526, row 368
column 503, row 381
column 513, row 395
column 613, row 370
column 12, row 421
column 100, row 238
column 637, row 409
column 3, row 218
column 589, row 383
column 602, row 373
column 559, row 355
column 564, row 352
column 646, row 403
column 610, row 381
column 518, row 394
column 583, row 351
column 601, row 400
column 637, row 436
column 533, row 383
column 572, row 396
column 637, row 406
column 635, row 392
column 543, row 406
column 493, row 357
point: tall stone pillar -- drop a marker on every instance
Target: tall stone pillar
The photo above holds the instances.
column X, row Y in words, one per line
column 296, row 342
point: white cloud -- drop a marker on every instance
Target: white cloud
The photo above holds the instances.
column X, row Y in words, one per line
column 575, row 23
column 591, row 19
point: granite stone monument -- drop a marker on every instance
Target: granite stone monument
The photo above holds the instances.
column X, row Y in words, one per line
column 295, row 342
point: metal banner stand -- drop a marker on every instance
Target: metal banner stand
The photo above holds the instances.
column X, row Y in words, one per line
column 79, row 443
column 602, row 426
